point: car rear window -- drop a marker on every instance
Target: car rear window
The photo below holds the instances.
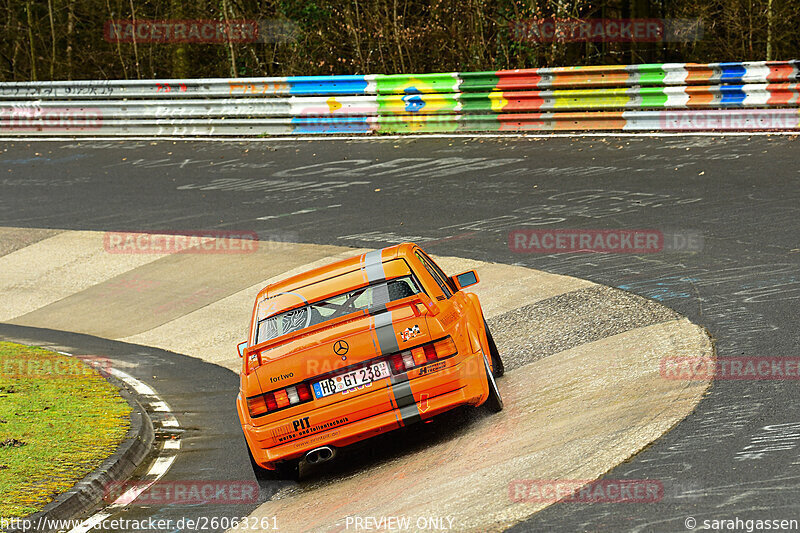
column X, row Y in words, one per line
column 342, row 304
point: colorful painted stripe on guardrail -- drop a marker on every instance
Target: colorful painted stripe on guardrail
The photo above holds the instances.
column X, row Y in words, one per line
column 632, row 75
column 684, row 97
column 648, row 75
column 657, row 97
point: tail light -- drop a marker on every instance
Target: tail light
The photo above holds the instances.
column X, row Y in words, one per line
column 421, row 355
column 301, row 392
column 397, row 363
column 272, row 405
column 278, row 399
column 282, row 398
column 291, row 393
column 257, row 406
column 418, row 355
column 430, row 352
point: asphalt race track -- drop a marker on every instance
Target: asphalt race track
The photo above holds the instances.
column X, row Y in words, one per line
column 735, row 456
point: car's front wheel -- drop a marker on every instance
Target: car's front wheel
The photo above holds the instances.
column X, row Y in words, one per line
column 495, row 402
column 498, row 369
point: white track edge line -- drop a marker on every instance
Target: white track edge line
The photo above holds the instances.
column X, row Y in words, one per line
column 156, row 471
column 296, row 138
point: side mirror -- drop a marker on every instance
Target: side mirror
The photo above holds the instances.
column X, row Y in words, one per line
column 465, row 279
column 242, row 347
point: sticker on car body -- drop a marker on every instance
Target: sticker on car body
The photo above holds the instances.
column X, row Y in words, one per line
column 409, row 333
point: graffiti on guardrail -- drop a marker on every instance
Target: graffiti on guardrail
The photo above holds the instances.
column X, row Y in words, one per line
column 238, row 88
column 39, row 90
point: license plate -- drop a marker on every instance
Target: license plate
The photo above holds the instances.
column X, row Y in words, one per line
column 352, row 379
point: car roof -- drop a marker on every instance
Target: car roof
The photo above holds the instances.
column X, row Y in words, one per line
column 334, row 269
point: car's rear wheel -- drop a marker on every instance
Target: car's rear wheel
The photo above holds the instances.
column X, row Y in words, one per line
column 288, row 470
column 498, row 369
column 285, row 470
column 495, row 402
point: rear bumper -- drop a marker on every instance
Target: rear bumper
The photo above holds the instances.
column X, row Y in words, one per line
column 386, row 405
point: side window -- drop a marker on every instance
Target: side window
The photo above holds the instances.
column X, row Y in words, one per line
column 444, row 276
column 435, row 273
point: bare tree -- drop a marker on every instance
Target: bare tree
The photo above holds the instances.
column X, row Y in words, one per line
column 31, row 42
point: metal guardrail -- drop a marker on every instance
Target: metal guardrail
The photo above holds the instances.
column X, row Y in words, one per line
column 659, row 97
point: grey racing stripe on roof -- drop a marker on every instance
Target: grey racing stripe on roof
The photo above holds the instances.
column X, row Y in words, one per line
column 385, row 333
column 373, row 266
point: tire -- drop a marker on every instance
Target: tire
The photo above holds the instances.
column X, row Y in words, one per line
column 498, row 369
column 285, row 470
column 289, row 470
column 495, row 402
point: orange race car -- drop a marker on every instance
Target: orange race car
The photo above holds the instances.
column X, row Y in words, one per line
column 360, row 347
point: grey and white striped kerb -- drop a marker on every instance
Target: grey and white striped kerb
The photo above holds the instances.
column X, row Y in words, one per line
column 167, row 431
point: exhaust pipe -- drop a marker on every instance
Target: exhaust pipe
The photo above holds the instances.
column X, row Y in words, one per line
column 320, row 455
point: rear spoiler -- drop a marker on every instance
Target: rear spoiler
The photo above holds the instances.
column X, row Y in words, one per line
column 412, row 301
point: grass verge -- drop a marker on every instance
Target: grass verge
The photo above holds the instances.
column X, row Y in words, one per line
column 59, row 420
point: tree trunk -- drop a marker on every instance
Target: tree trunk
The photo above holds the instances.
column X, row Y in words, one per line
column 119, row 46
column 355, row 27
column 769, row 30
column 31, row 42
column 70, row 31
column 15, row 73
column 231, row 49
column 397, row 36
column 135, row 47
column 180, row 56
column 53, row 39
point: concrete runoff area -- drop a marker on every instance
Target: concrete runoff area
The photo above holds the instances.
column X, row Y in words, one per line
column 213, row 331
column 569, row 416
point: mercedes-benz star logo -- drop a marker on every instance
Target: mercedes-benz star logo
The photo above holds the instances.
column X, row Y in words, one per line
column 341, row 348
